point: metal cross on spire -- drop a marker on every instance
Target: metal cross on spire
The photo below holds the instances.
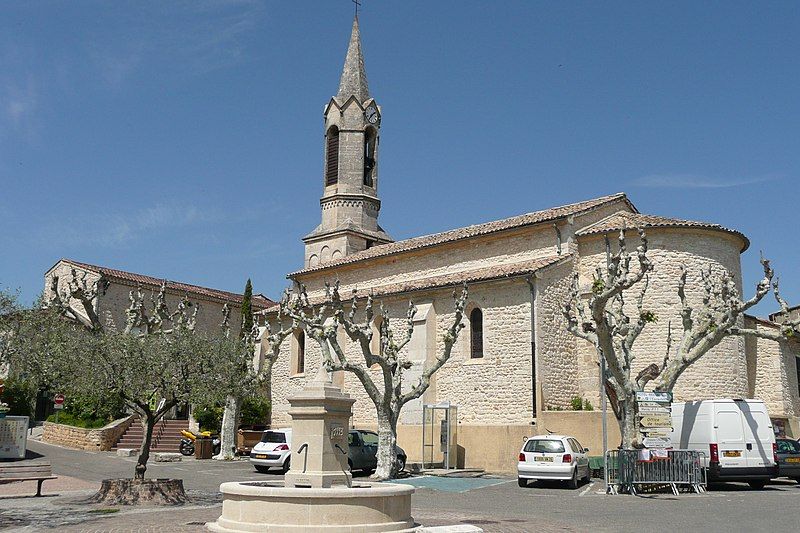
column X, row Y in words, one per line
column 357, row 4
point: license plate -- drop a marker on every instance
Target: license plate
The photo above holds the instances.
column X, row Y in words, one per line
column 793, row 460
column 260, row 456
column 543, row 459
column 732, row 453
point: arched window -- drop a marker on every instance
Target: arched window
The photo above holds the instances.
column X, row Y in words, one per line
column 476, row 333
column 299, row 352
column 332, row 156
column 370, row 139
column 375, row 345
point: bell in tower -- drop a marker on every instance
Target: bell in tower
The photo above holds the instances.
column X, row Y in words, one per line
column 349, row 202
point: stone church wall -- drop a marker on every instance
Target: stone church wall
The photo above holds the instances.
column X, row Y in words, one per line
column 495, row 389
column 557, row 364
column 774, row 378
column 722, row 373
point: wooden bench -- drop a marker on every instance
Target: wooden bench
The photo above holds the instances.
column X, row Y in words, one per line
column 26, row 471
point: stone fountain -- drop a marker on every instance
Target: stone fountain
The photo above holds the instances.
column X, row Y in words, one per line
column 318, row 493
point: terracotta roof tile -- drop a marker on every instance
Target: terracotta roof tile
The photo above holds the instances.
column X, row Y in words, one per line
column 494, row 272
column 625, row 219
column 469, row 231
column 259, row 300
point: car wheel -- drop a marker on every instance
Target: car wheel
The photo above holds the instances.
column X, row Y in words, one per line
column 588, row 477
column 522, row 482
column 757, row 484
column 285, row 467
column 573, row 483
column 261, row 468
column 401, row 463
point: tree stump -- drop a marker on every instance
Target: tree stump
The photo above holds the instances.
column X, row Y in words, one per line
column 136, row 491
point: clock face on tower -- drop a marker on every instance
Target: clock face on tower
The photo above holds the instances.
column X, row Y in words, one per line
column 371, row 113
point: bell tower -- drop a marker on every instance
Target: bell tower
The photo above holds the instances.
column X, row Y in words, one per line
column 349, row 202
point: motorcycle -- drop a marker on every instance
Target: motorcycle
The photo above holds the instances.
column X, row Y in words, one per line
column 186, row 447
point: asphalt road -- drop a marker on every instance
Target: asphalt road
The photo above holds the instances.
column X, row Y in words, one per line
column 497, row 505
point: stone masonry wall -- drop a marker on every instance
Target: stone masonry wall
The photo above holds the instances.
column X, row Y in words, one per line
column 101, row 439
column 557, row 364
column 721, row 373
column 495, row 389
column 775, row 380
column 116, row 300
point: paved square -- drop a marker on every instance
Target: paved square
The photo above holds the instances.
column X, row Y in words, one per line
column 497, row 505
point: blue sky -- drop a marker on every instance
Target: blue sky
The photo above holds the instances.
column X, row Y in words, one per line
column 184, row 139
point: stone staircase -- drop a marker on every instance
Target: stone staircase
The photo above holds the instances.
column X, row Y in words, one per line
column 166, row 436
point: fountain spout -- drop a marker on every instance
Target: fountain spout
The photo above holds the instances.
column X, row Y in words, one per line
column 304, row 447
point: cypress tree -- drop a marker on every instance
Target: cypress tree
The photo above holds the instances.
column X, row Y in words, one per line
column 247, row 308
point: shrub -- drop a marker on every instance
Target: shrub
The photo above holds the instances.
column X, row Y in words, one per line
column 70, row 419
column 209, row 417
column 255, row 411
column 576, row 403
column 587, row 405
column 20, row 395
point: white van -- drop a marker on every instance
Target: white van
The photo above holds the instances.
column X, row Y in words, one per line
column 736, row 437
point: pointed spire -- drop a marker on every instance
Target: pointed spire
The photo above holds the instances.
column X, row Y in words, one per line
column 354, row 75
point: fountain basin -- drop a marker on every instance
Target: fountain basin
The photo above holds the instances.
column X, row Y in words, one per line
column 271, row 507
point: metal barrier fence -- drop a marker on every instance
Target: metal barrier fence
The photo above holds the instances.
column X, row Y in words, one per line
column 625, row 470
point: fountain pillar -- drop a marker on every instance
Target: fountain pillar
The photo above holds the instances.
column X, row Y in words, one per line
column 320, row 426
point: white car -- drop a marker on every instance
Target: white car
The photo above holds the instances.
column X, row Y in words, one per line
column 273, row 450
column 553, row 457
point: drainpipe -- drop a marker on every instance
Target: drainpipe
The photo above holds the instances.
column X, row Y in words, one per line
column 532, row 286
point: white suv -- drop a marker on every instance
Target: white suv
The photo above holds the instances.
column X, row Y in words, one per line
column 553, row 457
column 273, row 450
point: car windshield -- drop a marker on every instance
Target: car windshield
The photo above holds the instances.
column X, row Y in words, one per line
column 544, row 446
column 788, row 446
column 273, row 436
column 370, row 439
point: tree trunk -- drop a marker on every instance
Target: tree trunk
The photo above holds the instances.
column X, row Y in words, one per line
column 627, row 424
column 148, row 424
column 387, row 450
column 227, row 434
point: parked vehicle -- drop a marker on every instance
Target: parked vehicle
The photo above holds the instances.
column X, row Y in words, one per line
column 363, row 450
column 186, row 446
column 274, row 450
column 553, row 457
column 735, row 436
column 788, row 458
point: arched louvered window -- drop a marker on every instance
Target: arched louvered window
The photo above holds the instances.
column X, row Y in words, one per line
column 476, row 333
column 370, row 140
column 332, row 157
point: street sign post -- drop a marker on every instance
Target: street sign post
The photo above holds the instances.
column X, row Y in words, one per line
column 58, row 401
column 655, row 418
column 656, row 421
column 661, row 397
column 58, row 404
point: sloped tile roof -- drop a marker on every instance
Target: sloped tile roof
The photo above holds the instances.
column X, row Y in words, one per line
column 259, row 300
column 494, row 272
column 624, row 219
column 425, row 241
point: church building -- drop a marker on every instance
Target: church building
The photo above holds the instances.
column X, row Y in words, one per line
column 516, row 371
